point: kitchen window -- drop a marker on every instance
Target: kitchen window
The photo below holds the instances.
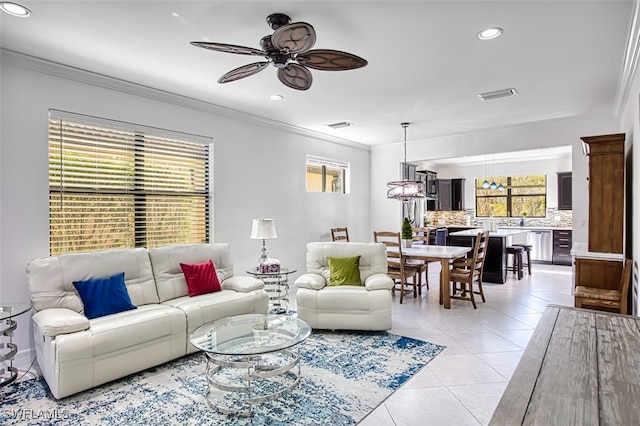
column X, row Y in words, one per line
column 523, row 196
column 325, row 175
column 120, row 185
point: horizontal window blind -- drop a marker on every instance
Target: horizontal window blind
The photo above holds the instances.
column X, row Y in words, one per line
column 115, row 184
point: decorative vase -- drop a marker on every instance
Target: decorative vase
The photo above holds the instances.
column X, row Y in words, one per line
column 407, row 243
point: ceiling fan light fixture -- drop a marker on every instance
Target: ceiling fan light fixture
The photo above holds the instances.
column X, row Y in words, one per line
column 14, row 9
column 487, row 96
column 490, row 33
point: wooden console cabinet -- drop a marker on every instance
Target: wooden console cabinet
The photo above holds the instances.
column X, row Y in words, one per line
column 606, row 192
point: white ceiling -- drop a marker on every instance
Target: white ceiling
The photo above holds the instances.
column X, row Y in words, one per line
column 426, row 64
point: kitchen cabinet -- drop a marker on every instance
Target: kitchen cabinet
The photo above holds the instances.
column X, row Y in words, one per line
column 562, row 241
column 564, row 191
column 606, row 192
column 430, row 183
column 450, row 195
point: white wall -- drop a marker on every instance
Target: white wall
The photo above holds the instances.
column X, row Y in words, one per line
column 385, row 214
column 258, row 172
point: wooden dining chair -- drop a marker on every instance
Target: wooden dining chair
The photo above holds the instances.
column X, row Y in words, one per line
column 421, row 235
column 467, row 271
column 397, row 267
column 610, row 299
column 339, row 234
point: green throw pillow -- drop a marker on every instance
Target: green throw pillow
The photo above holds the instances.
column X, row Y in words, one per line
column 344, row 270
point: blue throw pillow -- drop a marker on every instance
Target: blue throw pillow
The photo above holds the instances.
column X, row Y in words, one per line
column 104, row 296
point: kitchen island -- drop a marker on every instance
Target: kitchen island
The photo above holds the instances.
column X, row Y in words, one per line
column 495, row 263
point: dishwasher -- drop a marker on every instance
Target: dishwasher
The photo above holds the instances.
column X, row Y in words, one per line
column 542, row 245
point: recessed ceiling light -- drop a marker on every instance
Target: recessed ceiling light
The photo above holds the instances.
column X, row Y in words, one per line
column 486, row 96
column 175, row 14
column 276, row 97
column 14, row 9
column 490, row 33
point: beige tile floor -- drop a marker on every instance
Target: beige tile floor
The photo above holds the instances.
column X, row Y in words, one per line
column 463, row 385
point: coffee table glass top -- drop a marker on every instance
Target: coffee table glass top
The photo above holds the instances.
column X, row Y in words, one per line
column 10, row 310
column 250, row 334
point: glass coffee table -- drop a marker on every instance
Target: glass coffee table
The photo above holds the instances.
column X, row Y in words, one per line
column 251, row 359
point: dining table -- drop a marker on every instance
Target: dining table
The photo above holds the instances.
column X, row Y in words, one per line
column 432, row 253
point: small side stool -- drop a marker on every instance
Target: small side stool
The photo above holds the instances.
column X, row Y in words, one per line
column 527, row 250
column 516, row 265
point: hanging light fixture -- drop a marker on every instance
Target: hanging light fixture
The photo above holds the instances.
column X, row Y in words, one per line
column 493, row 173
column 405, row 190
column 500, row 187
column 485, row 184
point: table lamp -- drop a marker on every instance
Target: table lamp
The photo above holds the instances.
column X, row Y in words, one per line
column 263, row 229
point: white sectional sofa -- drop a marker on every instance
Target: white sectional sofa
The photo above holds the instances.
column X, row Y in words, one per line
column 75, row 353
column 345, row 307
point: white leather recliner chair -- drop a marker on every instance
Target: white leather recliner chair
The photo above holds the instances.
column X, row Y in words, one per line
column 345, row 307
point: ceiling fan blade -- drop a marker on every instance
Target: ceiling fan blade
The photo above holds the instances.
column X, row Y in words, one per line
column 295, row 76
column 243, row 71
column 229, row 48
column 294, row 38
column 330, row 60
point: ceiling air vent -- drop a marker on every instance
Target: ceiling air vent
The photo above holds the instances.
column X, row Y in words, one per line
column 486, row 96
column 340, row 125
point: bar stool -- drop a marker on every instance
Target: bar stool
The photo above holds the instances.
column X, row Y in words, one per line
column 527, row 249
column 516, row 265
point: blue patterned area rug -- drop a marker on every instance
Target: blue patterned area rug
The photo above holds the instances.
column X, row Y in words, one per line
column 344, row 377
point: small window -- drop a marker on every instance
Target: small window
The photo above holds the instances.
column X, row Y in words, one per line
column 521, row 196
column 327, row 175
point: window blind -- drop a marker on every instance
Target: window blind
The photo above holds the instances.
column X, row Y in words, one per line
column 115, row 185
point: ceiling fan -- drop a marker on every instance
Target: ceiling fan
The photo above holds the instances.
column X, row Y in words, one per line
column 288, row 50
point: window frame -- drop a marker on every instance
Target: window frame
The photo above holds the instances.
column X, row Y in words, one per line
column 508, row 195
column 326, row 164
column 156, row 172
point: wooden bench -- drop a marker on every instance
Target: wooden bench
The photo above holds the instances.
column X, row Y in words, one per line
column 581, row 367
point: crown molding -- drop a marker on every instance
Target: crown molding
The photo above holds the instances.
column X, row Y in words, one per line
column 57, row 69
column 629, row 63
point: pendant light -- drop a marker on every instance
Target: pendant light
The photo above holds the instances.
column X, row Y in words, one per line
column 493, row 173
column 500, row 187
column 485, row 184
column 405, row 190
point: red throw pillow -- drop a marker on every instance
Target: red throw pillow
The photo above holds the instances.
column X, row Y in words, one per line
column 201, row 278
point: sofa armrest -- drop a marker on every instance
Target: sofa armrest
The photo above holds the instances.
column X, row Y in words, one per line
column 54, row 321
column 242, row 284
column 378, row 282
column 311, row 281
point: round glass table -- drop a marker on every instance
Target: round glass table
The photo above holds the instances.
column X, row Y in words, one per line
column 8, row 349
column 251, row 359
column 276, row 284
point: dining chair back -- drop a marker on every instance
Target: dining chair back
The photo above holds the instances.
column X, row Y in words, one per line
column 421, row 236
column 467, row 271
column 398, row 269
column 340, row 234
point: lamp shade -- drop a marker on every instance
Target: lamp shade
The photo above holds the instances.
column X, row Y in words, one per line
column 263, row 229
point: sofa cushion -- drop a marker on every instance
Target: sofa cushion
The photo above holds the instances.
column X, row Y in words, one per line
column 104, row 296
column 50, row 279
column 201, row 277
column 344, row 270
column 170, row 280
column 373, row 256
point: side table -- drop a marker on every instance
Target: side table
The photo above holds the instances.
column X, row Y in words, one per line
column 276, row 284
column 8, row 349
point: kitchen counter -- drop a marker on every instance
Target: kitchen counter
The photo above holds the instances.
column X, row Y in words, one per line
column 501, row 232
